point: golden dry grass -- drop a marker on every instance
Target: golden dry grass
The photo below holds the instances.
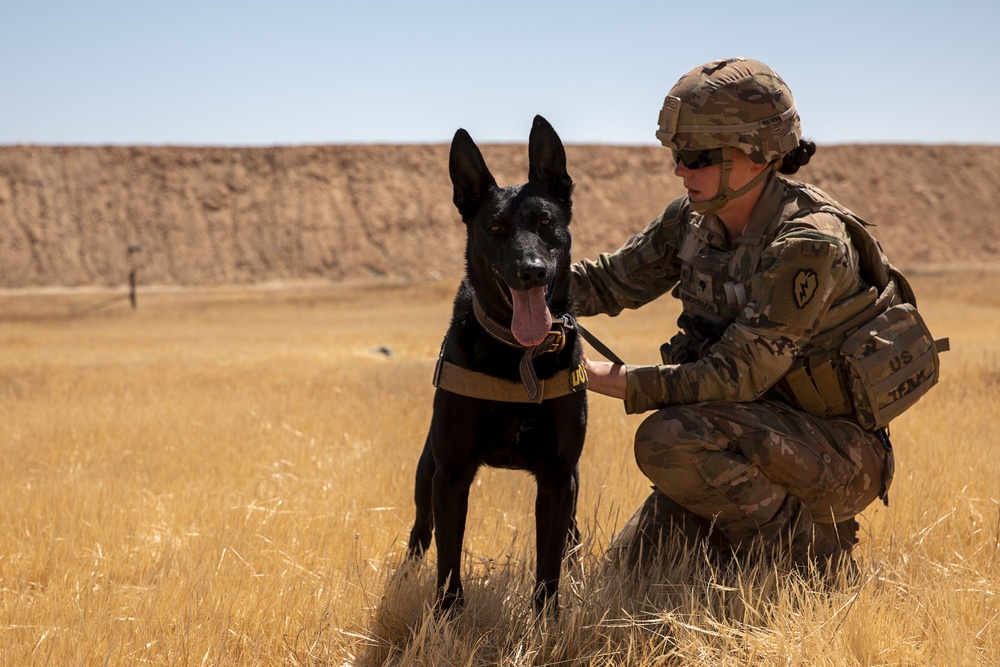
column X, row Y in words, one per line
column 225, row 478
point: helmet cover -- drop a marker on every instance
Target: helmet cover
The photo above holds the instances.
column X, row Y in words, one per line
column 740, row 103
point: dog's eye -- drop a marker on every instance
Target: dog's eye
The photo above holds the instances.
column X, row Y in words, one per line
column 545, row 221
column 494, row 229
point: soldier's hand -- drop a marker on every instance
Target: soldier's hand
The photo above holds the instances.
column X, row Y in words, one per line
column 605, row 377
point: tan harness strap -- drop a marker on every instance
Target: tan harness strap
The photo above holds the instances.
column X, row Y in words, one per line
column 474, row 384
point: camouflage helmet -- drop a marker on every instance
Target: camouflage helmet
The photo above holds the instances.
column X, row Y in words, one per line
column 739, row 103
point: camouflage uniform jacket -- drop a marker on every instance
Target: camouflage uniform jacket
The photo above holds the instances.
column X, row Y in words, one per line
column 749, row 306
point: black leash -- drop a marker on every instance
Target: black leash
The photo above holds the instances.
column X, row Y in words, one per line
column 594, row 341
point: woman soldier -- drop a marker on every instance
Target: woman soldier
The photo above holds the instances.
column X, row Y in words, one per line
column 745, row 445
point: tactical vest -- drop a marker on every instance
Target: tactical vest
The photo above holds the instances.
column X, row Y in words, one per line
column 874, row 356
column 712, row 289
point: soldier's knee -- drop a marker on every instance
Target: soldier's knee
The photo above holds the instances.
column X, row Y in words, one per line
column 666, row 441
column 648, row 443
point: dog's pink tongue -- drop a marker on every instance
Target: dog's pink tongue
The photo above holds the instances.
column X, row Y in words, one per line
column 532, row 319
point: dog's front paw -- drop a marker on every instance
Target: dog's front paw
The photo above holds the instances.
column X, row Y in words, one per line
column 450, row 603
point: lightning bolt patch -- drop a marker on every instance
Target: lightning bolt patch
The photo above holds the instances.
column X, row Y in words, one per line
column 804, row 287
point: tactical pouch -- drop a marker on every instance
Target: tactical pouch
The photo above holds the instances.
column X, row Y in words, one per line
column 890, row 362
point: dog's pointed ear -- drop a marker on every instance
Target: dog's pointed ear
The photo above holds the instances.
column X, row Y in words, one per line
column 470, row 177
column 547, row 161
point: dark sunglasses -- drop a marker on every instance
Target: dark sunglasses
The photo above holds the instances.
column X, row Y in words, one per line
column 698, row 159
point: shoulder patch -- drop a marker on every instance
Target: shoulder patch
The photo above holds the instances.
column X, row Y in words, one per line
column 804, row 287
column 799, row 285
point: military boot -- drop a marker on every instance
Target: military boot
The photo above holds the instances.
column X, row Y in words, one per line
column 846, row 535
column 794, row 532
column 845, row 532
column 658, row 521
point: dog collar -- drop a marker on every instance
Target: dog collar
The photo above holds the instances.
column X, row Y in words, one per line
column 554, row 342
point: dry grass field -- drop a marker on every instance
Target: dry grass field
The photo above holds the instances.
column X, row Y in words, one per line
column 225, row 478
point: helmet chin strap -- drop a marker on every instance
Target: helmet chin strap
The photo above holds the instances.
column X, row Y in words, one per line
column 725, row 194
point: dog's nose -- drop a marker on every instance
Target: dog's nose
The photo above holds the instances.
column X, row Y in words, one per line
column 532, row 272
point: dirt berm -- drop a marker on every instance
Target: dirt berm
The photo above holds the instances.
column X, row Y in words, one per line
column 211, row 216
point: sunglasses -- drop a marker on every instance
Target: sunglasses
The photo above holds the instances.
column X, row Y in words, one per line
column 698, row 159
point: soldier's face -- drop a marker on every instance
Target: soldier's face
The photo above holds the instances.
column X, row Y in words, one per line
column 703, row 184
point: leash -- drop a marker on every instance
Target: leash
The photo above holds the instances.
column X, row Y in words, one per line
column 595, row 342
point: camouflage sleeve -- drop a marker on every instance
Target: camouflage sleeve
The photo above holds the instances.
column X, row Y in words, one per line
column 641, row 270
column 800, row 276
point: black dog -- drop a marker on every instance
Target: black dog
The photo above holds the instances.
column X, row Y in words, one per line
column 511, row 390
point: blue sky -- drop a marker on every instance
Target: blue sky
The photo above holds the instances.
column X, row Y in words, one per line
column 257, row 73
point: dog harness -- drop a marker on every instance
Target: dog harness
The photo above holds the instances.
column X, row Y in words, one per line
column 474, row 384
column 465, row 382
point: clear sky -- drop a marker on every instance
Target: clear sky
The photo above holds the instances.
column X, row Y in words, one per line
column 255, row 73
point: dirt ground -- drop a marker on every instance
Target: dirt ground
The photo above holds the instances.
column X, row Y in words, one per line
column 86, row 216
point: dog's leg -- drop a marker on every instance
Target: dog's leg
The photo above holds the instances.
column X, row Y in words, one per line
column 451, row 507
column 574, row 528
column 423, row 525
column 553, row 518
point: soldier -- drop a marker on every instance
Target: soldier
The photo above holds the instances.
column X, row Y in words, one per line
column 763, row 266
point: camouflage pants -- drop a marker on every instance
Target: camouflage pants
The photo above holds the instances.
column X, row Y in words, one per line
column 762, row 472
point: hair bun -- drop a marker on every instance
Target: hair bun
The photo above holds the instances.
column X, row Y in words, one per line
column 797, row 157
